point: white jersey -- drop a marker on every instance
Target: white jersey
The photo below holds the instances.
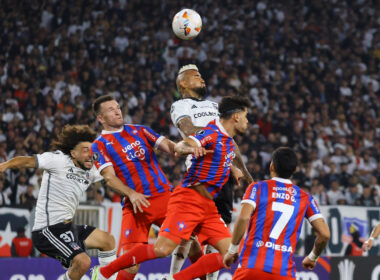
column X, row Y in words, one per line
column 201, row 112
column 62, row 185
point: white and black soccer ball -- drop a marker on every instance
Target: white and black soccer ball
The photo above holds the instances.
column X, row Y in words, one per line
column 187, row 24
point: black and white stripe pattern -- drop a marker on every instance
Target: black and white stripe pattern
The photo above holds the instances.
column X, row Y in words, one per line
column 56, row 242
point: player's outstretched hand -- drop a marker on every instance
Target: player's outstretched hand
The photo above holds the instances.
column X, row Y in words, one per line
column 308, row 263
column 229, row 259
column 200, row 151
column 367, row 245
column 138, row 200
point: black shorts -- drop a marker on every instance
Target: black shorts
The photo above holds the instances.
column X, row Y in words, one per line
column 62, row 241
column 224, row 201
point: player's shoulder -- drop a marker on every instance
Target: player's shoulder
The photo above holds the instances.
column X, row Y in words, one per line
column 181, row 104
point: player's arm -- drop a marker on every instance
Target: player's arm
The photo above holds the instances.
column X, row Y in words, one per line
column 238, row 232
column 18, row 162
column 137, row 199
column 190, row 146
column 238, row 162
column 369, row 242
column 167, row 146
column 187, row 127
column 323, row 235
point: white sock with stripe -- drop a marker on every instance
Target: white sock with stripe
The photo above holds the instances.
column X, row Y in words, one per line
column 105, row 257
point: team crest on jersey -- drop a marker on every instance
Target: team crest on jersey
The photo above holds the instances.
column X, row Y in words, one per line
column 74, row 246
column 181, row 226
column 127, row 232
column 134, row 131
column 200, row 132
column 215, row 106
column 95, row 156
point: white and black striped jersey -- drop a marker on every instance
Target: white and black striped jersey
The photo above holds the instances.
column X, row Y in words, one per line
column 201, row 112
column 62, row 185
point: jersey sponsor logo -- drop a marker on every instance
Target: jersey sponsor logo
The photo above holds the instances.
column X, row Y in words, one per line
column 205, row 114
column 193, row 107
column 72, row 176
column 253, row 193
column 150, row 135
column 274, row 246
column 290, row 190
column 134, row 151
column 200, row 132
column 229, row 157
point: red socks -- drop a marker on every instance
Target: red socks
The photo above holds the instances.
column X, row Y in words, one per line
column 138, row 254
column 125, row 275
column 206, row 264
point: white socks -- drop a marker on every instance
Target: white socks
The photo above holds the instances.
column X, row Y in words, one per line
column 179, row 259
column 105, row 257
column 214, row 275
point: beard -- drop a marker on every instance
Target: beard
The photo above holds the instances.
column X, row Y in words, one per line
column 201, row 91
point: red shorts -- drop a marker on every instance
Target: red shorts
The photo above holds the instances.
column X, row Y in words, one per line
column 135, row 227
column 188, row 212
column 254, row 273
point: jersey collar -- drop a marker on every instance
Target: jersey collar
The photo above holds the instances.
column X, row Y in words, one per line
column 194, row 99
column 221, row 128
column 110, row 132
column 282, row 180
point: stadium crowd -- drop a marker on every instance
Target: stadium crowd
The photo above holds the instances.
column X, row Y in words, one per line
column 310, row 68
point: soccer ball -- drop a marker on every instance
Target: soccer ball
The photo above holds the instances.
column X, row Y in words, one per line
column 187, row 24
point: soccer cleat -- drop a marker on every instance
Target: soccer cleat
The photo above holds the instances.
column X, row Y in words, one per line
column 95, row 272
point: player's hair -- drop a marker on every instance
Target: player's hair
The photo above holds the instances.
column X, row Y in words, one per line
column 72, row 135
column 284, row 162
column 98, row 101
column 230, row 105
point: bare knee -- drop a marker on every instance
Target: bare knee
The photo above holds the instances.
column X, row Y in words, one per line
column 109, row 242
column 164, row 247
column 81, row 263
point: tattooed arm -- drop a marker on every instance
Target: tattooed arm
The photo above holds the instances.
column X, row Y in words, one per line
column 238, row 162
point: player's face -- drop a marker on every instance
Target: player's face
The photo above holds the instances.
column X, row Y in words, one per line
column 242, row 122
column 196, row 83
column 110, row 114
column 81, row 155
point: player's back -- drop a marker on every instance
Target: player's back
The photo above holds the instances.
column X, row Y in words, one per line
column 275, row 225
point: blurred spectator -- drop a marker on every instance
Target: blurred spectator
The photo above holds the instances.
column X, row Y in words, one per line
column 4, row 199
column 22, row 246
column 334, row 194
column 27, row 199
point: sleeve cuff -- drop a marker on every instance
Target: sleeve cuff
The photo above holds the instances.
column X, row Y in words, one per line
column 36, row 160
column 315, row 217
column 249, row 202
column 104, row 166
column 180, row 118
column 196, row 140
column 158, row 141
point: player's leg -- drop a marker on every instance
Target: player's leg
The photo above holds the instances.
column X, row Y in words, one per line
column 104, row 242
column 218, row 236
column 179, row 256
column 224, row 204
column 61, row 242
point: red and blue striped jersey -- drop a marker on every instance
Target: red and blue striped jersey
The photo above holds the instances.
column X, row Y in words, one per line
column 275, row 225
column 213, row 169
column 130, row 152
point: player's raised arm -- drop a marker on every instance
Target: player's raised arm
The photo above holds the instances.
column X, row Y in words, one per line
column 190, row 146
column 18, row 162
column 186, row 126
column 323, row 235
column 167, row 146
column 137, row 199
column 367, row 245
